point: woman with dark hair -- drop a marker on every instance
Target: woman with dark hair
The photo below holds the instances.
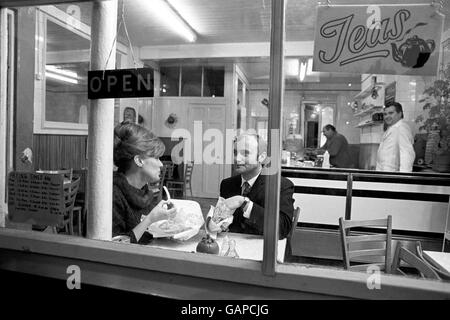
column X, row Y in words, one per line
column 136, row 155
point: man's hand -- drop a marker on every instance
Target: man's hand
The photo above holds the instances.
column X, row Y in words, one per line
column 234, row 202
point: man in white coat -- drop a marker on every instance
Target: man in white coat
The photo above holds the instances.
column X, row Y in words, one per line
column 396, row 152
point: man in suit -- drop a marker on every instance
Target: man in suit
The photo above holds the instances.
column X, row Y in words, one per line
column 245, row 192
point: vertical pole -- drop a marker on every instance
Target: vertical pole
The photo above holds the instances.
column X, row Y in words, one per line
column 3, row 114
column 101, row 125
column 272, row 199
column 348, row 198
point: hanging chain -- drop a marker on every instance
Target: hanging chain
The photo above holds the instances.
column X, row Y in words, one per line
column 122, row 21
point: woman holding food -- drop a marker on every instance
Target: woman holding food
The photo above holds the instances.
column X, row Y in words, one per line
column 136, row 155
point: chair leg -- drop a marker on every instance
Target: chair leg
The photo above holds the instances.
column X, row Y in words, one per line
column 71, row 223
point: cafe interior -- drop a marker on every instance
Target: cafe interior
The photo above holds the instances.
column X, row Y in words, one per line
column 219, row 68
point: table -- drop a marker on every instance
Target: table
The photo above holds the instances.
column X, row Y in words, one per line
column 440, row 259
column 248, row 246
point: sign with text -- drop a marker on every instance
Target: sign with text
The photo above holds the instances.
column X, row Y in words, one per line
column 123, row 83
column 35, row 198
column 378, row 39
column 389, row 93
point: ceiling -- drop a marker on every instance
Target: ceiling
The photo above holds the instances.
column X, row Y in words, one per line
column 225, row 21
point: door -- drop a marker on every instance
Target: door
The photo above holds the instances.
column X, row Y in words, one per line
column 206, row 177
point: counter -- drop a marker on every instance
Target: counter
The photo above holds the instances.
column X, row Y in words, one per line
column 418, row 203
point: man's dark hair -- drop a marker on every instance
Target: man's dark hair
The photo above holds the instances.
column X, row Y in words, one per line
column 330, row 127
column 398, row 107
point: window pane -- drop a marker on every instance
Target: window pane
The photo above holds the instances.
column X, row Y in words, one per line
column 213, row 81
column 191, row 81
column 170, row 80
column 65, row 75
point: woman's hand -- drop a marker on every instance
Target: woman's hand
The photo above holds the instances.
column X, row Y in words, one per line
column 160, row 213
column 234, row 202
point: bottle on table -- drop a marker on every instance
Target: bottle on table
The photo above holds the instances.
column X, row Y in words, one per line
column 326, row 160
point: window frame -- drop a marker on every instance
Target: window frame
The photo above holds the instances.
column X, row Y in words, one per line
column 59, row 17
column 297, row 278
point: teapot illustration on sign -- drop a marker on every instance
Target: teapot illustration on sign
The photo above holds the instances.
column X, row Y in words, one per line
column 414, row 52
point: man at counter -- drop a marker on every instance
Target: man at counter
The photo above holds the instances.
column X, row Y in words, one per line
column 337, row 147
column 396, row 152
column 245, row 192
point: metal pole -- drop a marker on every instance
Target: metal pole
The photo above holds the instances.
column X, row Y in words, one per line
column 272, row 199
column 101, row 125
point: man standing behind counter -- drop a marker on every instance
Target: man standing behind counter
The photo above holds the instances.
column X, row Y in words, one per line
column 396, row 152
column 245, row 192
column 337, row 147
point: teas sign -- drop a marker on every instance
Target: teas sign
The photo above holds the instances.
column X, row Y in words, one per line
column 123, row 83
column 379, row 39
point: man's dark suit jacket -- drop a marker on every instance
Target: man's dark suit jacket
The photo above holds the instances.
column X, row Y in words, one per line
column 255, row 224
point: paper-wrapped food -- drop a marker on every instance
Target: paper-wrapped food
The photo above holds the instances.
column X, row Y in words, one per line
column 184, row 225
column 219, row 217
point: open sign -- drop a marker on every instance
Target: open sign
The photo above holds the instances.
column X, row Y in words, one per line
column 123, row 83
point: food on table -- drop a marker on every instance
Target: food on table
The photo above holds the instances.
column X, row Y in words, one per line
column 208, row 245
column 219, row 215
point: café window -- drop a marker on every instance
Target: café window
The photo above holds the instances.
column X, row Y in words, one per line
column 62, row 62
column 192, row 81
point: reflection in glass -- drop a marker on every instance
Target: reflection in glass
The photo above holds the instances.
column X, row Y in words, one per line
column 65, row 75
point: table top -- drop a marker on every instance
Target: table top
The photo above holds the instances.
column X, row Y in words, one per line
column 440, row 259
column 248, row 246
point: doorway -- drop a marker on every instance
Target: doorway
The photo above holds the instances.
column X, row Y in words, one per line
column 316, row 115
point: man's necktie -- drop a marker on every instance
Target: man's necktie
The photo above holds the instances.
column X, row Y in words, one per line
column 246, row 189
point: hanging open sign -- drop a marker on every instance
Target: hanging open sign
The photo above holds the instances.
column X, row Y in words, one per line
column 123, row 83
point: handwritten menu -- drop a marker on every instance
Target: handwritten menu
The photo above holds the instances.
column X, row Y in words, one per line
column 36, row 198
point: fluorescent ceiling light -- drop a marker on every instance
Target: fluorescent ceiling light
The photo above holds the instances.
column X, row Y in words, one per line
column 309, row 69
column 172, row 18
column 302, row 71
column 291, row 67
column 62, row 72
column 60, row 77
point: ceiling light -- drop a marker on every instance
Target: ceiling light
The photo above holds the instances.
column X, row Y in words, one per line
column 172, row 18
column 291, row 67
column 60, row 77
column 309, row 69
column 302, row 71
column 62, row 72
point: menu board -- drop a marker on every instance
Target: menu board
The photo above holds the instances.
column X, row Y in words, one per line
column 36, row 198
column 389, row 93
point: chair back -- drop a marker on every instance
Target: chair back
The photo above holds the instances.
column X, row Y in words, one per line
column 188, row 171
column 168, row 167
column 67, row 173
column 403, row 254
column 288, row 250
column 70, row 193
column 294, row 223
column 362, row 248
column 441, row 273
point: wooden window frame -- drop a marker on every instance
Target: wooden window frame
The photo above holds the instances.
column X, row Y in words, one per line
column 33, row 249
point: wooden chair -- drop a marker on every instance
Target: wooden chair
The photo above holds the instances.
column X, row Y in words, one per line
column 288, row 251
column 70, row 193
column 42, row 199
column 403, row 254
column 184, row 184
column 441, row 273
column 68, row 173
column 366, row 247
column 157, row 187
column 80, row 207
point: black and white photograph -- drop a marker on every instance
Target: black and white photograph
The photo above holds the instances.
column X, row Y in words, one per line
column 224, row 159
